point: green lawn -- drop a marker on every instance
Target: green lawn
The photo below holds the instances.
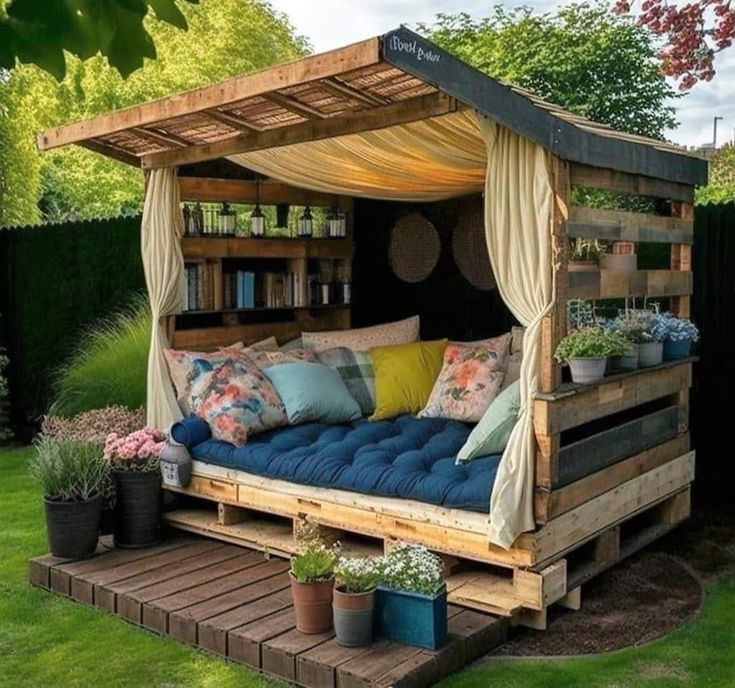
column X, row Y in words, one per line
column 47, row 640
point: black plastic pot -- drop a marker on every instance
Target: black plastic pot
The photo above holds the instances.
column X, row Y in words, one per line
column 138, row 508
column 73, row 527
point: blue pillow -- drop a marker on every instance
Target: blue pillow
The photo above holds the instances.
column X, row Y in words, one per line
column 313, row 392
column 190, row 431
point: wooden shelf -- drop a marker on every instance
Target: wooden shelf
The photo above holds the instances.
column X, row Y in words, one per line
column 568, row 389
column 244, row 247
column 318, row 307
column 617, row 284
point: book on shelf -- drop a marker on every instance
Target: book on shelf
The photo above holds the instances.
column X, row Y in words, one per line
column 202, row 290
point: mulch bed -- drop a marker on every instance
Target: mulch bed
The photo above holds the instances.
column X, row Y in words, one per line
column 638, row 601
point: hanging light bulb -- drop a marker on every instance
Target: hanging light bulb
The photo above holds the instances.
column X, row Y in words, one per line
column 306, row 224
column 257, row 219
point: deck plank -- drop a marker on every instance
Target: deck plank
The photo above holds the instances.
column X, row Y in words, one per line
column 234, row 602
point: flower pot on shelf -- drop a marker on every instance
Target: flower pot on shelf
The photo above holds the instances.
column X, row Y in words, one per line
column 622, row 262
column 673, row 351
column 587, row 370
column 411, row 618
column 73, row 527
column 650, row 354
column 625, row 362
column 353, row 617
column 583, row 266
column 137, row 508
column 312, row 603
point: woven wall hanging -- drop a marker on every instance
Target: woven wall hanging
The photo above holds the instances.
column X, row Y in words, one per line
column 470, row 249
column 414, row 248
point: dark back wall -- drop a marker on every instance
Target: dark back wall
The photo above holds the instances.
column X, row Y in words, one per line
column 448, row 304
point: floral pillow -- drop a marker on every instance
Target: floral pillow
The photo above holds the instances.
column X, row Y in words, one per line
column 237, row 400
column 191, row 368
column 470, row 378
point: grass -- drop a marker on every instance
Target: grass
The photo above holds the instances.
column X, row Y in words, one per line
column 48, row 640
column 108, row 366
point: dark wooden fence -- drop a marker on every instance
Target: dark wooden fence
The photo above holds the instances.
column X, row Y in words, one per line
column 713, row 309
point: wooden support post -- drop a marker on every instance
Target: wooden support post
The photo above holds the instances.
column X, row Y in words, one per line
column 676, row 508
column 572, row 600
column 681, row 259
column 553, row 327
column 537, row 620
column 539, row 590
column 304, row 529
column 228, row 515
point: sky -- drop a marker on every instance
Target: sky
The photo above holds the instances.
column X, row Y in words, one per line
column 331, row 24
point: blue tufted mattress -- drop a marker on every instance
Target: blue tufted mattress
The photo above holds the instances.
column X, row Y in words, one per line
column 412, row 458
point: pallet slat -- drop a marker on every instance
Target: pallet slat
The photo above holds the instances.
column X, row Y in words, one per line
column 618, row 284
column 620, row 225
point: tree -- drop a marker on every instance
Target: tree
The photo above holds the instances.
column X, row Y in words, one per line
column 583, row 58
column 695, row 32
column 74, row 183
column 39, row 31
column 721, row 186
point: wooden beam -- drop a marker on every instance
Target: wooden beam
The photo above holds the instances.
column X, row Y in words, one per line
column 548, row 504
column 312, row 68
column 232, row 121
column 619, row 284
column 295, row 106
column 681, row 258
column 112, row 152
column 554, row 413
column 622, row 182
column 619, row 225
column 403, row 112
column 554, row 326
column 570, row 530
column 161, row 138
column 339, row 88
column 243, row 191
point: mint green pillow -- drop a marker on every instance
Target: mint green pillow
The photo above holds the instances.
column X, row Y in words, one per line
column 492, row 432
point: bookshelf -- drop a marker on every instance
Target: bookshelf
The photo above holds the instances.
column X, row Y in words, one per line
column 246, row 289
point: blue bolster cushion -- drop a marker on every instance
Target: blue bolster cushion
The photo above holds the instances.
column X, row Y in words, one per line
column 190, row 431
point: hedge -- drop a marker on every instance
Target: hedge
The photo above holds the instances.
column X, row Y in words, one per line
column 60, row 279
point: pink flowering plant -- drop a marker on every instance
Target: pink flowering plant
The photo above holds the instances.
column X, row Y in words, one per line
column 138, row 451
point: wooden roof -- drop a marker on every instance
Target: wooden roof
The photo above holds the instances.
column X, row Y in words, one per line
column 381, row 82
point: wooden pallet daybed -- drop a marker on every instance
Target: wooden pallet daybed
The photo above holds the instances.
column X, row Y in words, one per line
column 613, row 464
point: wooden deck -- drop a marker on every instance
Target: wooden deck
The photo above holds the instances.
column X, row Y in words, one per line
column 236, row 603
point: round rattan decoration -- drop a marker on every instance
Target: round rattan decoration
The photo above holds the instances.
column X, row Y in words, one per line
column 414, row 248
column 470, row 250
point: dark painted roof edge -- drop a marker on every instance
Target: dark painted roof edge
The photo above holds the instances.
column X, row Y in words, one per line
column 423, row 59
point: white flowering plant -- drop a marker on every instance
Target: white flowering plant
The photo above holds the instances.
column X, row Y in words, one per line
column 316, row 562
column 414, row 569
column 358, row 574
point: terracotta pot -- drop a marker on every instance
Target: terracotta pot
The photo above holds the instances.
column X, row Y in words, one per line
column 583, row 266
column 622, row 262
column 353, row 617
column 312, row 604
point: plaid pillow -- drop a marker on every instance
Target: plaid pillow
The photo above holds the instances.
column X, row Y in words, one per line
column 356, row 370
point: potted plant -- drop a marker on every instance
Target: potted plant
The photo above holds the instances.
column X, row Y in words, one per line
column 134, row 460
column 583, row 255
column 354, row 600
column 680, row 334
column 73, row 477
column 621, row 257
column 587, row 350
column 312, row 584
column 411, row 601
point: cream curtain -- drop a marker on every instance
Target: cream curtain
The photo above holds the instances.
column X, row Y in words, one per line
column 422, row 161
column 163, row 264
column 518, row 206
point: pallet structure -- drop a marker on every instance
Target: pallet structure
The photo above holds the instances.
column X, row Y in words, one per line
column 235, row 603
column 613, row 462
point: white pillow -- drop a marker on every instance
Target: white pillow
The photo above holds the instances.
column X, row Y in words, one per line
column 364, row 338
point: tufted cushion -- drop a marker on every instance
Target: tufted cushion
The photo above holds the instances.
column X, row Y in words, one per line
column 404, row 457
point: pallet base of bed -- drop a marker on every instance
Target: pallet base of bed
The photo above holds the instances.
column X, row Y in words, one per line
column 541, row 568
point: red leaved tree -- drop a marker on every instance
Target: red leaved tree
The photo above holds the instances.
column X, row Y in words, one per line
column 695, row 32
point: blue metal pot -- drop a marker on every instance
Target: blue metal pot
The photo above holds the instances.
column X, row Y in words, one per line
column 411, row 618
column 673, row 351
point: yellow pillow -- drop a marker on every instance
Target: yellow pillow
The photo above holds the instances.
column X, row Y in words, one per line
column 404, row 376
